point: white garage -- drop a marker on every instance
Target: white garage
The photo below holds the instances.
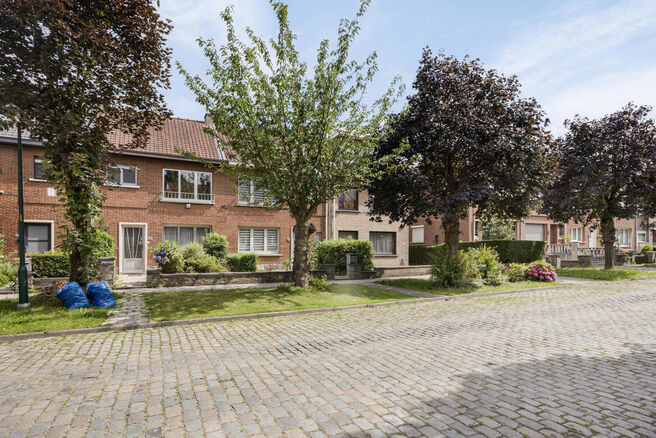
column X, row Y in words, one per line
column 534, row 232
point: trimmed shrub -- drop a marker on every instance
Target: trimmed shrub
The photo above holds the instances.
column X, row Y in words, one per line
column 540, row 271
column 515, row 272
column 216, row 245
column 192, row 250
column 167, row 256
column 242, row 262
column 510, row 251
column 8, row 273
column 51, row 265
column 204, row 263
column 333, row 252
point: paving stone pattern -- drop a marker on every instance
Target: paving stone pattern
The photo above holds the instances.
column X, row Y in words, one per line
column 129, row 310
column 570, row 362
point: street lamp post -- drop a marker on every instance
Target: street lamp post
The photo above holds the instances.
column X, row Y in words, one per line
column 22, row 269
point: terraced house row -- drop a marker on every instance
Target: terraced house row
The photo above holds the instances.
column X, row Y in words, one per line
column 155, row 193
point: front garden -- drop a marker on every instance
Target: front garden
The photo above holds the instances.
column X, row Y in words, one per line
column 614, row 274
column 164, row 306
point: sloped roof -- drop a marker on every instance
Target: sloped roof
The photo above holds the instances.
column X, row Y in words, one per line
column 175, row 135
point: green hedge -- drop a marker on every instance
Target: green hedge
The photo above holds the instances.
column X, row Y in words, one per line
column 242, row 262
column 7, row 273
column 510, row 251
column 333, row 252
column 51, row 265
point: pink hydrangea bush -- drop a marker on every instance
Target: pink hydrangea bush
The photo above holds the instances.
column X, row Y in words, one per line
column 540, row 271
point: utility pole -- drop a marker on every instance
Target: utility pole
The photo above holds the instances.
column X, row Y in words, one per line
column 22, row 269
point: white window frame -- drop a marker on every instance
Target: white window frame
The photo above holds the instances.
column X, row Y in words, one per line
column 371, row 233
column 477, row 229
column 267, row 251
column 576, row 234
column 621, row 241
column 195, row 199
column 52, row 231
column 414, row 228
column 121, row 183
column 644, row 234
column 195, row 227
column 251, row 195
column 40, row 160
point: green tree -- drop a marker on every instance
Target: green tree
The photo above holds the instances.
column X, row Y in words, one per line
column 495, row 228
column 607, row 170
column 305, row 137
column 71, row 73
column 473, row 142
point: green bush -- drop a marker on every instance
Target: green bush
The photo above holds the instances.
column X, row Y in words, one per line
column 192, row 250
column 51, row 265
column 106, row 245
column 515, row 272
column 453, row 270
column 204, row 263
column 333, row 252
column 318, row 284
column 242, row 262
column 216, row 245
column 167, row 256
column 510, row 251
column 7, row 273
column 486, row 264
column 540, row 271
column 646, row 248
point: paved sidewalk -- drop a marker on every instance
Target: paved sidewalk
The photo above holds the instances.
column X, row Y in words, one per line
column 580, row 362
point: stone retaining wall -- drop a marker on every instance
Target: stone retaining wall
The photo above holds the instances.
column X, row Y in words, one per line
column 403, row 271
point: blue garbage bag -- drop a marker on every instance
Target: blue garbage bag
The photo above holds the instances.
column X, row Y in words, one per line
column 100, row 295
column 73, row 296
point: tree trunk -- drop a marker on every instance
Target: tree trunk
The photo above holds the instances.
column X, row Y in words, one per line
column 451, row 236
column 301, row 266
column 608, row 238
column 76, row 263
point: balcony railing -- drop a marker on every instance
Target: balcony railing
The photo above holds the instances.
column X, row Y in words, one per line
column 593, row 252
column 188, row 196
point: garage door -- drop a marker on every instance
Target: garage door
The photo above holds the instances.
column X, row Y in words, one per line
column 534, row 232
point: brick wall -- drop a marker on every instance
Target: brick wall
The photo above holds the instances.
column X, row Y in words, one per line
column 141, row 205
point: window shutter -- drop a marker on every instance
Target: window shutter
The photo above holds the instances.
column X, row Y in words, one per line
column 244, row 191
column 272, row 241
column 259, row 196
column 258, row 240
column 244, row 239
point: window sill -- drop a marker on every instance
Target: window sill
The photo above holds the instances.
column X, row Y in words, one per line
column 186, row 201
column 38, row 180
column 386, row 255
column 241, row 204
column 261, row 254
column 121, row 186
column 348, row 211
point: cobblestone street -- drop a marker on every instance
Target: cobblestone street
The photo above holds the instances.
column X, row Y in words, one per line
column 579, row 361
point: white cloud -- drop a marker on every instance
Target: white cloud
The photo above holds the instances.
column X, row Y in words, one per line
column 572, row 60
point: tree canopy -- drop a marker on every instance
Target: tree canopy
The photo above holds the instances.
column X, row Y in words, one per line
column 305, row 135
column 472, row 141
column 607, row 170
column 71, row 73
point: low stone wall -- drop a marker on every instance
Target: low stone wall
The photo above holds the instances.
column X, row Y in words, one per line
column 403, row 271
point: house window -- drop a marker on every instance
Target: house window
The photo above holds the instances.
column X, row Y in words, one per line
column 186, row 185
column 122, row 176
column 38, row 237
column 39, row 172
column 576, row 234
column 348, row 201
column 249, row 195
column 348, row 235
column 384, row 243
column 437, row 238
column 623, row 237
column 318, row 237
column 417, row 233
column 642, row 236
column 258, row 240
column 477, row 228
column 183, row 235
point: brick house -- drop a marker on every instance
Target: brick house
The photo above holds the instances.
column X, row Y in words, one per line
column 154, row 193
column 631, row 234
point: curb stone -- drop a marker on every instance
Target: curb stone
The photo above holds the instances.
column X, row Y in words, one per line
column 211, row 319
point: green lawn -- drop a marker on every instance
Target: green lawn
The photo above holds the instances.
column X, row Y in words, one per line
column 604, row 274
column 46, row 314
column 425, row 284
column 163, row 306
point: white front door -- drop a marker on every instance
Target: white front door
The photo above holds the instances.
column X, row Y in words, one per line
column 132, row 249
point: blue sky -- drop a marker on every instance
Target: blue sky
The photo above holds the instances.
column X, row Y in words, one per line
column 574, row 57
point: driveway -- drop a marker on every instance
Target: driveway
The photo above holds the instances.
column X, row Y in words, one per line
column 571, row 362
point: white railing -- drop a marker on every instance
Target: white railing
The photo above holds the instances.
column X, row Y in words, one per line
column 183, row 196
column 593, row 252
column 566, row 251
